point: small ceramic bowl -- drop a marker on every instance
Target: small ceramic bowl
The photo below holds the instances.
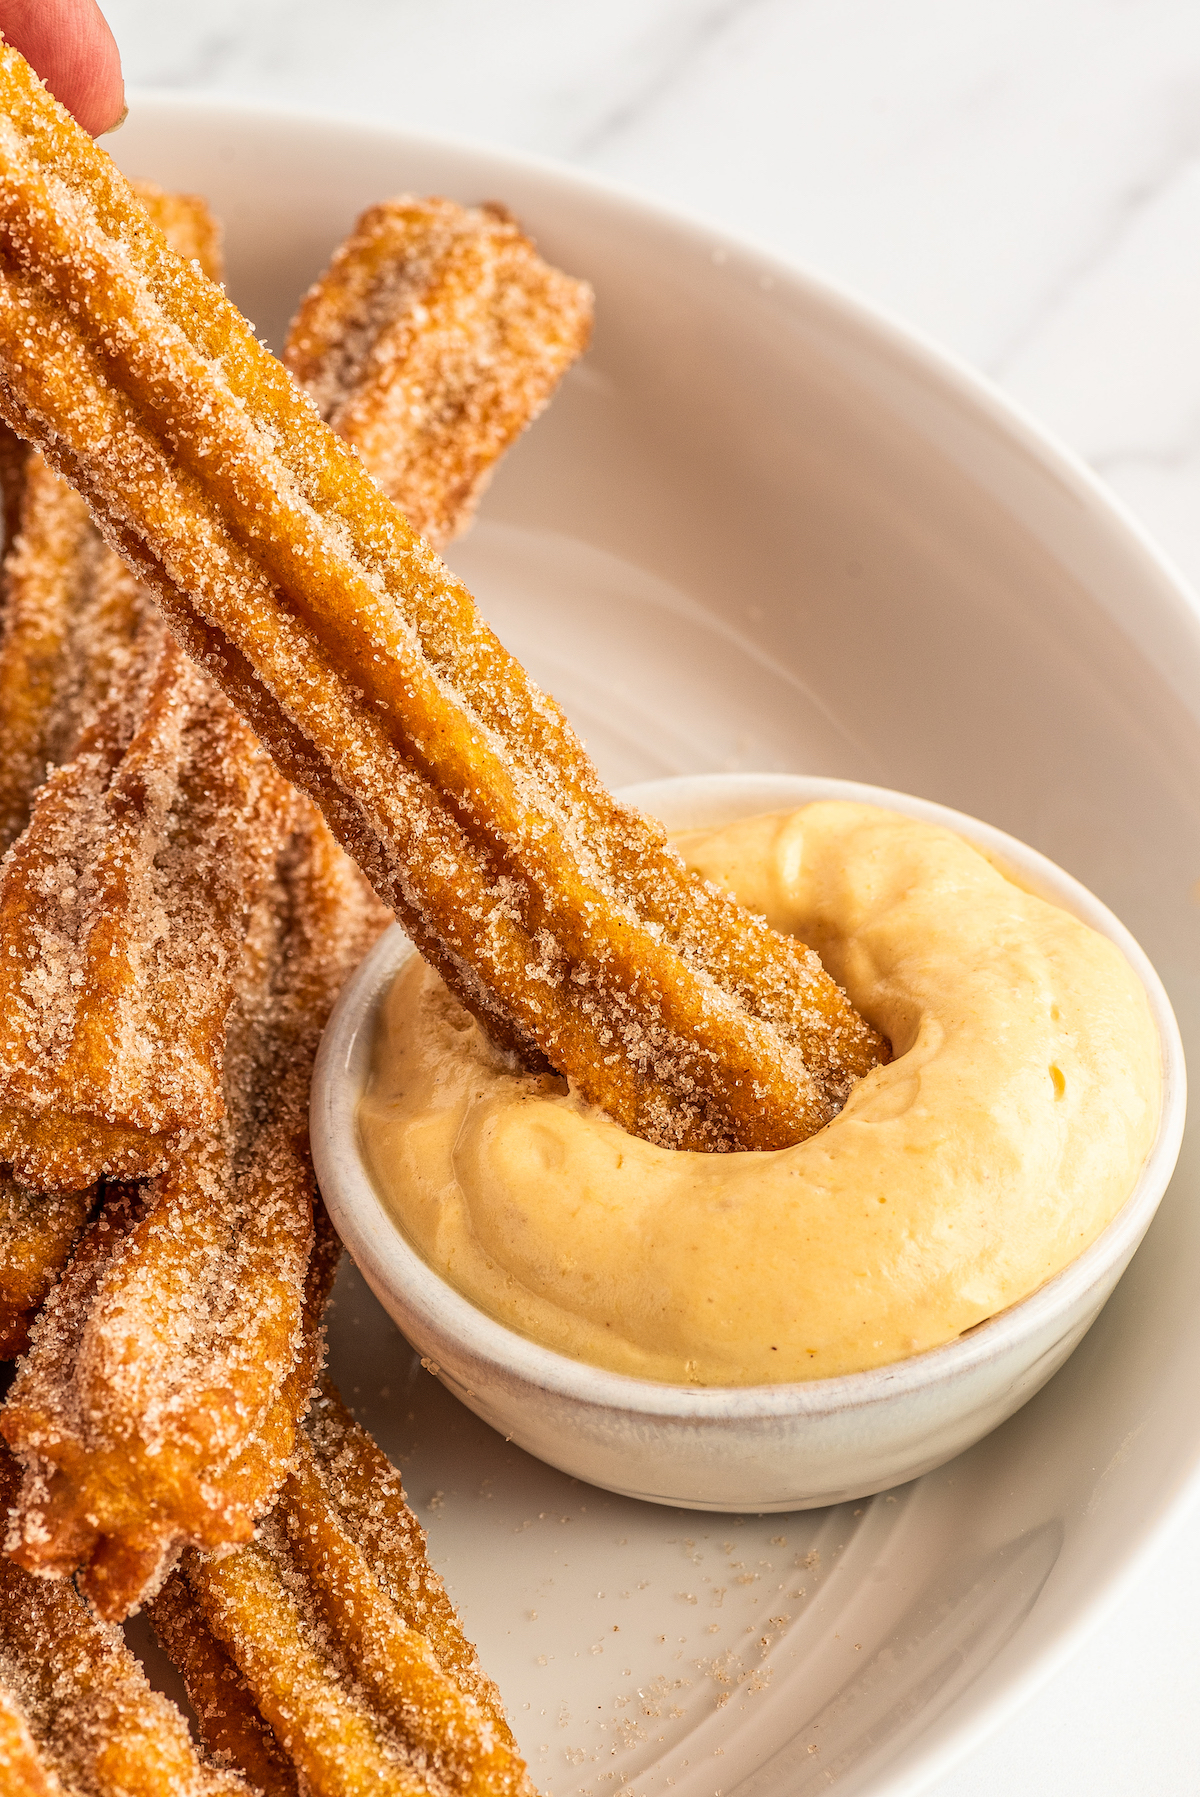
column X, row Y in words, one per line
column 749, row 1448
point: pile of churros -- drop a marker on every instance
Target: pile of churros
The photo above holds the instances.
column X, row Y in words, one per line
column 247, row 716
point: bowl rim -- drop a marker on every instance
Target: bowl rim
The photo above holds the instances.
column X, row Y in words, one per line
column 391, row 1262
column 973, row 1717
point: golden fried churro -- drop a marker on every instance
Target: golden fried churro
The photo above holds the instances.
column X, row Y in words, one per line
column 123, row 911
column 70, row 607
column 338, row 1626
column 77, row 1715
column 369, row 1496
column 436, row 335
column 53, row 665
column 75, row 1098
column 156, row 1406
column 191, row 229
column 137, row 858
column 231, row 1726
column 37, row 1233
column 333, row 1660
column 563, row 920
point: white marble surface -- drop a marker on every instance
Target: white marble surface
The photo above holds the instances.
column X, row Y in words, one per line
column 1018, row 178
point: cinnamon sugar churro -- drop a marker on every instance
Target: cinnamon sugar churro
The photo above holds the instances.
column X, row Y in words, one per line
column 155, row 1407
column 38, row 1230
column 123, row 911
column 369, row 1496
column 436, row 335
column 231, row 1726
column 69, row 610
column 121, row 908
column 44, row 573
column 77, row 1715
column 563, row 920
column 352, row 1655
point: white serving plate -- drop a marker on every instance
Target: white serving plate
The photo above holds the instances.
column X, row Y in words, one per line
column 763, row 528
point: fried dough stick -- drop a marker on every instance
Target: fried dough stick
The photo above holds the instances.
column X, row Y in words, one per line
column 70, row 608
column 72, row 613
column 77, row 1716
column 369, row 1496
column 123, row 914
column 170, row 1367
column 77, row 1099
column 348, row 1489
column 124, row 904
column 191, row 229
column 434, row 338
column 358, row 1696
column 563, row 920
column 37, row 1233
column 231, row 1726
column 43, row 851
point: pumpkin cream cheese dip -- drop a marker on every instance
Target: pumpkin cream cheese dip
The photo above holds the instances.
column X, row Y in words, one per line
column 1008, row 1129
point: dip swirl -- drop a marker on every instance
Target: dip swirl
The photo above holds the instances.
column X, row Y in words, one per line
column 1007, row 1131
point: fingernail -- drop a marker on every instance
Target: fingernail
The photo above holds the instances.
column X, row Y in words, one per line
column 116, row 124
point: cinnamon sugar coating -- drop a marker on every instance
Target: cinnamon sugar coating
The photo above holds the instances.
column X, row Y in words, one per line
column 123, row 912
column 157, row 1406
column 124, row 900
column 563, row 920
column 77, row 1715
column 337, row 1625
column 230, row 1724
column 69, row 609
column 369, row 1495
column 434, row 338
column 354, row 1657
column 38, row 1231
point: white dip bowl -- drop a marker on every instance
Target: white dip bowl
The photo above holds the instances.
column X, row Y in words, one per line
column 766, row 1447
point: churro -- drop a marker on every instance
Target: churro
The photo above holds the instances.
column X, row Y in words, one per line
column 369, row 1495
column 562, row 919
column 82, row 825
column 70, row 609
column 156, row 1407
column 123, row 904
column 49, row 680
column 352, row 1657
column 343, row 1558
column 77, row 1715
column 123, row 912
column 231, row 1727
column 436, row 335
column 38, row 1230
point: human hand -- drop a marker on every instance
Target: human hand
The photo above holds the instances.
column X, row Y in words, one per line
column 69, row 44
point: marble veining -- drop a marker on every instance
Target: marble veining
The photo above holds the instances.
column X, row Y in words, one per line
column 1020, row 179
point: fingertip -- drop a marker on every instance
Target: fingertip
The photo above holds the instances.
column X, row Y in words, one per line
column 70, row 45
